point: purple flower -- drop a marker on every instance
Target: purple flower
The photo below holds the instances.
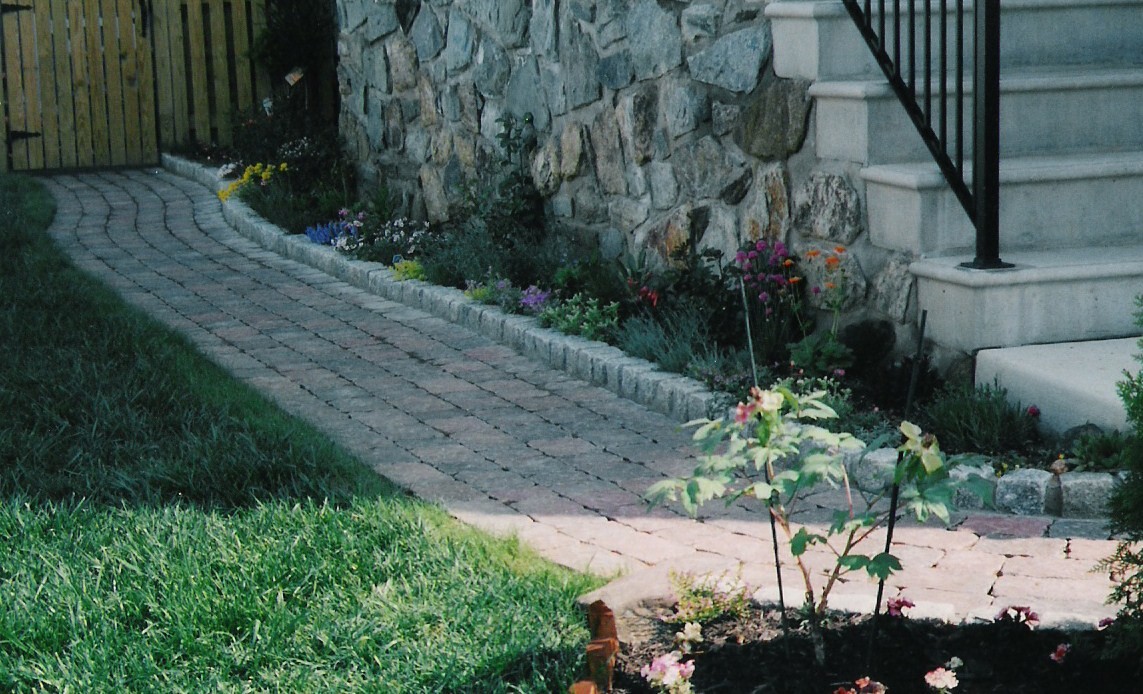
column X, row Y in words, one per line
column 534, row 299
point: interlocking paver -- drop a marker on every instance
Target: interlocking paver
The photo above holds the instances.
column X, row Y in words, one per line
column 501, row 440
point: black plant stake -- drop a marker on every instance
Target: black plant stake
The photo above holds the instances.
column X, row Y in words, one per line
column 765, row 470
column 894, row 496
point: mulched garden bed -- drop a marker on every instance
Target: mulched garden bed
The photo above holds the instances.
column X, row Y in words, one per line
column 753, row 656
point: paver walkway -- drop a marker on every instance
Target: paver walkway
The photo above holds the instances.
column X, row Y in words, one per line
column 500, row 441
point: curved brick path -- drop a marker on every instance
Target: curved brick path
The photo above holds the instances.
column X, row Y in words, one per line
column 500, row 441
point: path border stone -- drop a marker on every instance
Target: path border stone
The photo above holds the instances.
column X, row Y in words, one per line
column 1022, row 492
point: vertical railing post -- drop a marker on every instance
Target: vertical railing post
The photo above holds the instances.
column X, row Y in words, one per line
column 986, row 136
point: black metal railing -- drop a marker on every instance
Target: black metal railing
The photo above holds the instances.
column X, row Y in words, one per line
column 931, row 107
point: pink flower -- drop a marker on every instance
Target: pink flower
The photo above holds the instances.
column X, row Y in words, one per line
column 1105, row 622
column 941, row 679
column 1019, row 614
column 894, row 606
column 1060, row 653
column 1033, row 411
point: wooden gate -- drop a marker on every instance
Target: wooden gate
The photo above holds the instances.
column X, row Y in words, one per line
column 96, row 83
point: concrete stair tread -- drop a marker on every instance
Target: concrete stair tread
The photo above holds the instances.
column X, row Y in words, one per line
column 1040, row 265
column 1072, row 383
column 1053, row 167
column 1012, row 79
column 1060, row 295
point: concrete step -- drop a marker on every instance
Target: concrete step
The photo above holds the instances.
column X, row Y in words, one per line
column 1075, row 200
column 1072, row 383
column 817, row 40
column 1060, row 295
column 1056, row 110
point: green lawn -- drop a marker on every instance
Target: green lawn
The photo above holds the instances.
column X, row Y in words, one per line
column 166, row 529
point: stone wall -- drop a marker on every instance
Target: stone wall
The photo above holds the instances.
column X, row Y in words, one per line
column 657, row 121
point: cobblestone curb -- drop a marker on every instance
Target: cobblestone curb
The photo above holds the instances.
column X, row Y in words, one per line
column 1022, row 492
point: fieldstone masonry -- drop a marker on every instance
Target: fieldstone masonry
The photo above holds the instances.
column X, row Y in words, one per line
column 658, row 123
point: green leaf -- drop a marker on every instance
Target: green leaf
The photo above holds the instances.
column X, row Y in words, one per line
column 853, row 562
column 662, row 492
column 699, row 490
column 882, row 565
column 762, row 491
column 802, row 539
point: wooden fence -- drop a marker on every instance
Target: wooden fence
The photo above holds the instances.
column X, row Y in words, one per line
column 95, row 83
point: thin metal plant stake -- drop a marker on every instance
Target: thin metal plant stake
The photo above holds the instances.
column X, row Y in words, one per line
column 895, row 495
column 766, row 469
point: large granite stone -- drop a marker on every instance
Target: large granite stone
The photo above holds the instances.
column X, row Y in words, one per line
column 1085, row 494
column 580, row 65
column 460, row 42
column 615, row 70
column 543, row 29
column 774, row 124
column 700, row 21
column 608, row 151
column 685, row 107
column 705, row 168
column 734, row 62
column 827, row 207
column 892, row 289
column 381, row 21
column 525, row 94
column 507, row 19
column 659, row 47
column 491, row 68
column 427, row 36
column 664, row 186
column 638, row 116
column 1023, row 492
column 402, row 63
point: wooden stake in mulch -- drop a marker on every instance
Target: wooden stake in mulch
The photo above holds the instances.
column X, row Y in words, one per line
column 601, row 651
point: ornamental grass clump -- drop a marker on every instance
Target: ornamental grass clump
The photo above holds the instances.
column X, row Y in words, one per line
column 775, row 450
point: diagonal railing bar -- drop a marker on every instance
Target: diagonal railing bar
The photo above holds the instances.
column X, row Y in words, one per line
column 978, row 193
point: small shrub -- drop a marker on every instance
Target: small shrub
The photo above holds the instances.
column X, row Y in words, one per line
column 408, row 270
column 980, row 420
column 672, row 337
column 1126, row 511
column 1103, row 451
column 583, row 316
column 707, row 598
column 496, row 292
column 820, row 354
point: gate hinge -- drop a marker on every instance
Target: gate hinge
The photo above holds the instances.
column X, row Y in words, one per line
column 6, row 7
column 16, row 135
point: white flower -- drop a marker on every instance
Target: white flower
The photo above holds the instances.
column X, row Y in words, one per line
column 942, row 679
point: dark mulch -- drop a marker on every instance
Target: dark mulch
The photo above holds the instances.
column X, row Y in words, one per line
column 753, row 656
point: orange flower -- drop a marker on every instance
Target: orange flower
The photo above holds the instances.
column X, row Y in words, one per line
column 795, row 280
column 832, row 261
column 788, row 263
column 839, row 249
column 813, row 253
column 830, row 285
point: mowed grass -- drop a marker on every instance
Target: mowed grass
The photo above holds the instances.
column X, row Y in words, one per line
column 163, row 528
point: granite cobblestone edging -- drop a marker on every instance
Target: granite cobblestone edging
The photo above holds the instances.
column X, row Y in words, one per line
column 1031, row 492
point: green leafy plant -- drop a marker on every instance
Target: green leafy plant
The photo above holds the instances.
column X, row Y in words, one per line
column 1126, row 512
column 980, row 420
column 703, row 599
column 1103, row 451
column 581, row 315
column 408, row 270
column 775, row 451
column 820, row 354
